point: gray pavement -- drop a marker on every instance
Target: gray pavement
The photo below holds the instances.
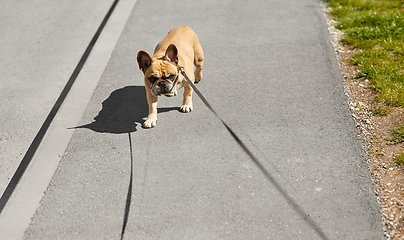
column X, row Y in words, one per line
column 271, row 74
column 41, row 45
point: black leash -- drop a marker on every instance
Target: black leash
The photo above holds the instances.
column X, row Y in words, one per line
column 297, row 208
column 238, row 140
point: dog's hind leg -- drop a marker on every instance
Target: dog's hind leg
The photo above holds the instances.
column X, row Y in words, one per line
column 198, row 61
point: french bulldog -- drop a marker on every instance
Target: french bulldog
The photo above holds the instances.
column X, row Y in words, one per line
column 180, row 48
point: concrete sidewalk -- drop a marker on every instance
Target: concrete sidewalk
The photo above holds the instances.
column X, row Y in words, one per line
column 270, row 72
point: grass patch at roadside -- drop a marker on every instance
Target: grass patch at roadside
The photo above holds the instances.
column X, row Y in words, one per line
column 382, row 111
column 397, row 135
column 399, row 158
column 373, row 52
column 376, row 29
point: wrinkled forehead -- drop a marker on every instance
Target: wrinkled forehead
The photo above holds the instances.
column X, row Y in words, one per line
column 160, row 68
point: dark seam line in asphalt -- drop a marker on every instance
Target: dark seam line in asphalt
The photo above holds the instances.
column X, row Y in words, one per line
column 42, row 131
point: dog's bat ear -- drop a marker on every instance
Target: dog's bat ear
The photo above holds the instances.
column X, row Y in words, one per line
column 172, row 54
column 144, row 60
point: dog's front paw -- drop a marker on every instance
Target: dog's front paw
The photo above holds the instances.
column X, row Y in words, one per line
column 186, row 108
column 150, row 122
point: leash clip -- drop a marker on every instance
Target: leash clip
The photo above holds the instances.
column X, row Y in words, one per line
column 180, row 68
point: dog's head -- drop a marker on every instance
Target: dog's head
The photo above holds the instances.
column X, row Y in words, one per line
column 160, row 74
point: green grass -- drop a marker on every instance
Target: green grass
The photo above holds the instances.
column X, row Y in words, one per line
column 376, row 28
column 399, row 158
column 397, row 135
column 382, row 111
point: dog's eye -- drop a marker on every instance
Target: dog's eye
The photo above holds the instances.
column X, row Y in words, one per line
column 152, row 79
column 171, row 76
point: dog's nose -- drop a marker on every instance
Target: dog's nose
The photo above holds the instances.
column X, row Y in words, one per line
column 164, row 87
column 161, row 84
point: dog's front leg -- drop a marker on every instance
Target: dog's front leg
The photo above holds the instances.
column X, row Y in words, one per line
column 187, row 99
column 151, row 119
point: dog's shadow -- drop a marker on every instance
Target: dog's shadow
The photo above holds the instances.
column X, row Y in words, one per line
column 122, row 111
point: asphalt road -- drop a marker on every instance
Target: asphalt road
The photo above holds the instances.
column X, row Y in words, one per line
column 41, row 45
column 271, row 74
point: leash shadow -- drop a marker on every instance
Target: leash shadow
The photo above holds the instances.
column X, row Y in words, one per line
column 129, row 194
column 122, row 111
